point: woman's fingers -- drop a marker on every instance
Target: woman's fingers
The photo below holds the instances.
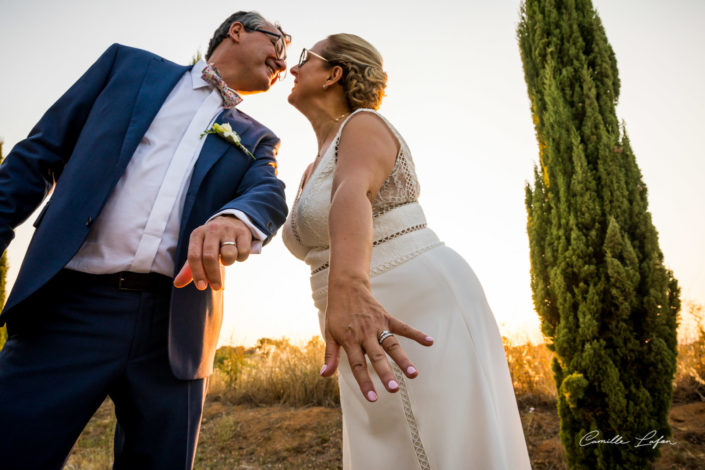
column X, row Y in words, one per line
column 360, row 336
column 358, row 365
column 400, row 328
column 380, row 362
column 396, row 352
column 331, row 357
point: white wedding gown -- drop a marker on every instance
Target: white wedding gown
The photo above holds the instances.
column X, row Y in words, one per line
column 460, row 412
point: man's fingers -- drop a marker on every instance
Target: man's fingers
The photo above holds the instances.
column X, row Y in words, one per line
column 184, row 277
column 228, row 253
column 400, row 328
column 236, row 248
column 358, row 365
column 218, row 243
column 244, row 245
column 195, row 249
column 211, row 256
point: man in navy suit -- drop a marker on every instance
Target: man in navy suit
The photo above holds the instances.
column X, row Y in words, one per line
column 139, row 195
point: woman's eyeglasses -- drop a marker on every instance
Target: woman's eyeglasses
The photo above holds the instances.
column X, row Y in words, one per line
column 303, row 58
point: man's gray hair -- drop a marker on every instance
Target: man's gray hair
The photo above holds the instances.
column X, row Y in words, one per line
column 249, row 19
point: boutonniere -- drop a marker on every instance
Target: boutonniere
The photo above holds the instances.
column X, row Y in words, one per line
column 227, row 133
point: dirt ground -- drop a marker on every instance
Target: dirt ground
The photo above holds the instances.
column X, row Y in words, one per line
column 269, row 438
column 687, row 453
column 279, row 437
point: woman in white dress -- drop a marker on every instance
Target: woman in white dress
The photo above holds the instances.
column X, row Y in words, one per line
column 377, row 268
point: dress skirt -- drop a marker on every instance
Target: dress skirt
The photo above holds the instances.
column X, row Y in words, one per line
column 460, row 412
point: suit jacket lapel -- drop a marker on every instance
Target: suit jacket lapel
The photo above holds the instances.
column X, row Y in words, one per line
column 215, row 146
column 213, row 149
column 159, row 79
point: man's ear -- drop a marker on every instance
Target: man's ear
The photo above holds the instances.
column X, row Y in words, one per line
column 235, row 29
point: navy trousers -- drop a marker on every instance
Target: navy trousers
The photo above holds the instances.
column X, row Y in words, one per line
column 72, row 345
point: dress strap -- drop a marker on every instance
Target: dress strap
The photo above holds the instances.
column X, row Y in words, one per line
column 336, row 141
column 358, row 110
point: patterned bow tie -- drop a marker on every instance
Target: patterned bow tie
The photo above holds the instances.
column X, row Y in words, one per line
column 230, row 96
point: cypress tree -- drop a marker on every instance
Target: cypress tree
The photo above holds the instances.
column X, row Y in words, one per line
column 607, row 304
column 3, row 272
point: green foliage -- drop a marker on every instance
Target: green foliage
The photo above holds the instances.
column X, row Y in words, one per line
column 3, row 274
column 607, row 303
column 230, row 360
column 196, row 57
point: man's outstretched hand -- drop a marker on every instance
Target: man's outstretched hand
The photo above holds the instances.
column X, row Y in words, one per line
column 210, row 248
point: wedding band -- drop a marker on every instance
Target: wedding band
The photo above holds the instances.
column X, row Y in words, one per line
column 384, row 334
column 228, row 243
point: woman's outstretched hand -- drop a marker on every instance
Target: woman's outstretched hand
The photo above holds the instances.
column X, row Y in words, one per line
column 354, row 321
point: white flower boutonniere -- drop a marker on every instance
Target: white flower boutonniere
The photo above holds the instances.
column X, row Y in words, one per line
column 227, row 133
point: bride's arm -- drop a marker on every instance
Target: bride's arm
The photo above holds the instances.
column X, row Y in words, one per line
column 354, row 319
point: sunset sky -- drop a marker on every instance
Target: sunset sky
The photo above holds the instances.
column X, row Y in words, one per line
column 456, row 93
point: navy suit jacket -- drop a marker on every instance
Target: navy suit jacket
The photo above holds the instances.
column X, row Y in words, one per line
column 81, row 147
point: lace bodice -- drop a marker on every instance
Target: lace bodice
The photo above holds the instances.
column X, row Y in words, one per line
column 398, row 221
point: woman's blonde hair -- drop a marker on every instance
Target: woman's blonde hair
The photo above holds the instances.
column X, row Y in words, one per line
column 363, row 80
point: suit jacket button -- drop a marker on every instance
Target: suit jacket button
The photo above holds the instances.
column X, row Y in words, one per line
column 270, row 225
column 89, row 221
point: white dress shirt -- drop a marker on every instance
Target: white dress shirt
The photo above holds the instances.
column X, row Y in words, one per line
column 138, row 228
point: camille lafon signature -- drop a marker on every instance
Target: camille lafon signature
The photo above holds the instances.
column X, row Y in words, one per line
column 649, row 439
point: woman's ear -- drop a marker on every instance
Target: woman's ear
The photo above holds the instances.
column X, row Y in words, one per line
column 334, row 75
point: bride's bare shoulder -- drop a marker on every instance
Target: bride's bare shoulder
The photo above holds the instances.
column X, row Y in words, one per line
column 367, row 127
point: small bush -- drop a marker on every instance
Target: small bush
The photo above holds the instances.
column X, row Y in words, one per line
column 530, row 368
column 274, row 372
column 689, row 382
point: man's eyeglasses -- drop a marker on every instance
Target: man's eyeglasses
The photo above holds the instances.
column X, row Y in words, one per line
column 280, row 44
column 303, row 58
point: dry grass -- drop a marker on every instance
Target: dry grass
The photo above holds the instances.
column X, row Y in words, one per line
column 689, row 382
column 530, row 368
column 275, row 372
column 94, row 449
column 267, row 407
column 530, row 365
